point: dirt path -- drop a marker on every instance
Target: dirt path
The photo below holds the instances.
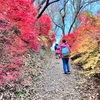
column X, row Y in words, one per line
column 54, row 85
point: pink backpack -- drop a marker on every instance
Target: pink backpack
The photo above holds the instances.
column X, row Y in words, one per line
column 58, row 51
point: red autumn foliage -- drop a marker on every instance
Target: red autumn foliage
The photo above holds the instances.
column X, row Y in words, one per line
column 11, row 70
column 84, row 17
column 44, row 25
column 22, row 15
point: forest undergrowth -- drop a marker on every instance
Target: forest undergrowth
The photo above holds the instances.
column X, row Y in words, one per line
column 35, row 64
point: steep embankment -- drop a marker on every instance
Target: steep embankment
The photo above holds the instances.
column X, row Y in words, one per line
column 35, row 63
column 87, row 58
column 44, row 79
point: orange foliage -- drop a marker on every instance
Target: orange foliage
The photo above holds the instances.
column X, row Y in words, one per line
column 86, row 34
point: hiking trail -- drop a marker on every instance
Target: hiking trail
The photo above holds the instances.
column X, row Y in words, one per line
column 53, row 84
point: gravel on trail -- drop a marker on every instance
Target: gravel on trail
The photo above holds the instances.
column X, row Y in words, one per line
column 53, row 84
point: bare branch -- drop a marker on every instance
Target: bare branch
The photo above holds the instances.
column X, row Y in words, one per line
column 88, row 3
column 40, row 5
column 55, row 22
column 73, row 21
column 46, row 5
column 53, row 2
column 77, row 13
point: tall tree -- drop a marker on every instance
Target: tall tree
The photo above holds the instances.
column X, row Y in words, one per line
column 43, row 5
column 78, row 6
column 59, row 14
column 65, row 16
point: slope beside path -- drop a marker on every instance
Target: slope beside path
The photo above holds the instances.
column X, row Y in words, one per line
column 54, row 85
column 44, row 80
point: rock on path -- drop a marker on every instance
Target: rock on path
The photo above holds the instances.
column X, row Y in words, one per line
column 54, row 85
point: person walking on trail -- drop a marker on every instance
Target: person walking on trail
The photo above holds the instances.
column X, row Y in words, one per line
column 65, row 54
column 57, row 50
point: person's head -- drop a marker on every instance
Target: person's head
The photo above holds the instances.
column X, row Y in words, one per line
column 56, row 43
column 63, row 41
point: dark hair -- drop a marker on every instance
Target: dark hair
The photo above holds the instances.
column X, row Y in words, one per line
column 56, row 44
column 64, row 41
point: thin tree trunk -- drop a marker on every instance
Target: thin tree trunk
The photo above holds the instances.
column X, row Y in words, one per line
column 73, row 22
